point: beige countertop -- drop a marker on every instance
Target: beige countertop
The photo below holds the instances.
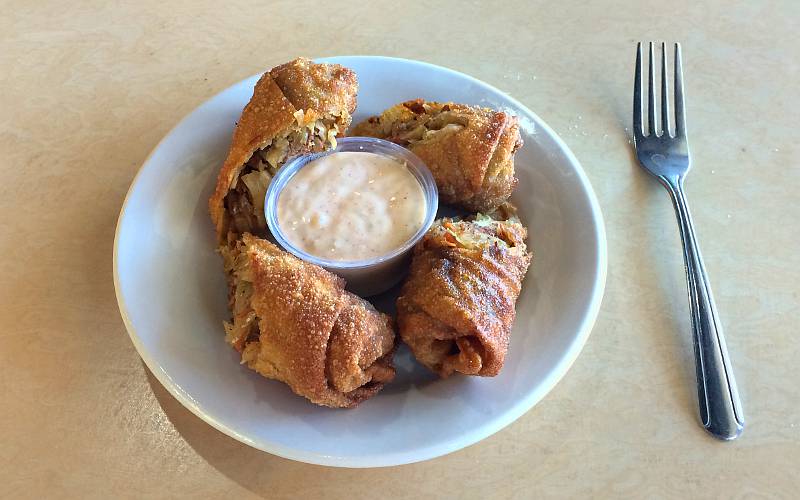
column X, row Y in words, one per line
column 88, row 91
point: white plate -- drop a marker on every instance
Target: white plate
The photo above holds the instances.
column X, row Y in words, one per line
column 172, row 294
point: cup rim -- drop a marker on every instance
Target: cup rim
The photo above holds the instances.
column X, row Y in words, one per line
column 353, row 144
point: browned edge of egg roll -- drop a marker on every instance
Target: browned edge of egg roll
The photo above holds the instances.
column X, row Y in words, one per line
column 468, row 149
column 457, row 307
column 296, row 108
column 294, row 322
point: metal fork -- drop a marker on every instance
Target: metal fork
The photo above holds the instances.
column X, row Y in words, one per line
column 666, row 156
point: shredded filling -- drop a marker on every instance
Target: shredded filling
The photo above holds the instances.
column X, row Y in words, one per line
column 243, row 328
column 490, row 230
column 465, row 354
column 244, row 204
column 428, row 124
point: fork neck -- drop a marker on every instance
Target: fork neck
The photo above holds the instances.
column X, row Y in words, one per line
column 674, row 183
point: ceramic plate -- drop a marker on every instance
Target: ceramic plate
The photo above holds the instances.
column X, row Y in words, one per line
column 172, row 293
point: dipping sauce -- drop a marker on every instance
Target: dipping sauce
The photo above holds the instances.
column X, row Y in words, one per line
column 350, row 206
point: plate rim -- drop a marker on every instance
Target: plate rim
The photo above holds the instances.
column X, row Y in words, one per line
column 426, row 452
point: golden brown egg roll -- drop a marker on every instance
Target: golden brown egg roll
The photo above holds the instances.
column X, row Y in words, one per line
column 298, row 107
column 457, row 307
column 294, row 322
column 468, row 149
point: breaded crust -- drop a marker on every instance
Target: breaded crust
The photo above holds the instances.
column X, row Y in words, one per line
column 267, row 114
column 360, row 337
column 325, row 88
column 456, row 309
column 317, row 89
column 327, row 344
column 468, row 149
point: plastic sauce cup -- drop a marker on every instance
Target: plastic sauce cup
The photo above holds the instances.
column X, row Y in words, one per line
column 370, row 276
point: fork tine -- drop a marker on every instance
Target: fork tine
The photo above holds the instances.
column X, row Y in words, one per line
column 638, row 132
column 680, row 110
column 664, row 93
column 651, row 97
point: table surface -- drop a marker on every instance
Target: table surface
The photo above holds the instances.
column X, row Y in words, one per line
column 88, row 90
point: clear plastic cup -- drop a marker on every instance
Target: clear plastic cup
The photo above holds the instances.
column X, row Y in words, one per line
column 370, row 276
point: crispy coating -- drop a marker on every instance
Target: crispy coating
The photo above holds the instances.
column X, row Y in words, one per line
column 294, row 322
column 456, row 308
column 327, row 89
column 360, row 336
column 296, row 108
column 468, row 149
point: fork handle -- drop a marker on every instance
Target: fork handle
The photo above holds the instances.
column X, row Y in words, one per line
column 720, row 408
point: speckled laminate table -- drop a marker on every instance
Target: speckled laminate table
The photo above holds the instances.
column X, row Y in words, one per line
column 88, row 88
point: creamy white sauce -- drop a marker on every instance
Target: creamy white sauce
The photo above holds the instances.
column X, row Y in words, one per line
column 351, row 206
